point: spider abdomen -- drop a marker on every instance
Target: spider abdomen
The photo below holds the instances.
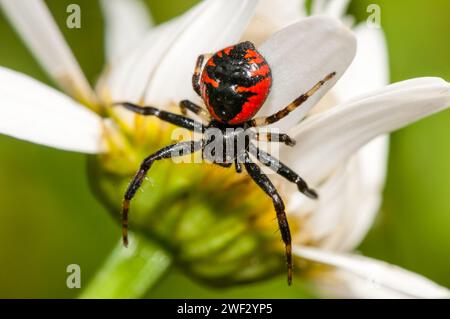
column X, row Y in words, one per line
column 235, row 82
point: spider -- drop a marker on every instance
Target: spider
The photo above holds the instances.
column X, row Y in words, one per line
column 233, row 84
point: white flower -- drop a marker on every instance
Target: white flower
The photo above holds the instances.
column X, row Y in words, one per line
column 351, row 174
column 157, row 71
column 37, row 113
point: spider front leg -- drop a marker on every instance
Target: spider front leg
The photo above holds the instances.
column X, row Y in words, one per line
column 266, row 185
column 169, row 117
column 196, row 109
column 261, row 121
column 281, row 169
column 197, row 71
column 174, row 150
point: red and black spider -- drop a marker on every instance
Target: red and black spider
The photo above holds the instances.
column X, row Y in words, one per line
column 234, row 83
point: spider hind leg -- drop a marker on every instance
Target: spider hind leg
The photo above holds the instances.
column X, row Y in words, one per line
column 266, row 185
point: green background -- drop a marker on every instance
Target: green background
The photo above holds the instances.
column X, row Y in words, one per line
column 49, row 218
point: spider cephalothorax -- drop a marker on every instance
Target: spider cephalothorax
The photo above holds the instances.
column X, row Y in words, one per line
column 234, row 84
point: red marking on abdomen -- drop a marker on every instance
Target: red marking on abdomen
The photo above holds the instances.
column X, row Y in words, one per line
column 261, row 71
column 254, row 103
column 207, row 79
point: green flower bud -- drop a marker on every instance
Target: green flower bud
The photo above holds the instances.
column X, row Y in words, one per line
column 218, row 225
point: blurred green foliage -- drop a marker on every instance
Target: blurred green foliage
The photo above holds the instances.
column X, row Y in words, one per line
column 50, row 218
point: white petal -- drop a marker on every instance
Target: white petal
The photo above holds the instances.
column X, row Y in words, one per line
column 160, row 70
column 127, row 21
column 372, row 160
column 350, row 199
column 281, row 12
column 336, row 8
column 221, row 23
column 370, row 278
column 402, row 85
column 35, row 24
column 271, row 16
column 332, row 8
column 300, row 56
column 318, row 7
column 325, row 220
column 127, row 78
column 370, row 68
column 368, row 71
column 34, row 112
column 327, row 139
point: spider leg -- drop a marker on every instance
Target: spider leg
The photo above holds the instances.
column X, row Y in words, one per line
column 281, row 169
column 197, row 72
column 266, row 185
column 174, row 150
column 169, row 117
column 274, row 137
column 196, row 109
column 261, row 121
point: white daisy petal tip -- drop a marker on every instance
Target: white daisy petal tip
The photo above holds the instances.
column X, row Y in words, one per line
column 34, row 112
column 362, row 277
column 301, row 55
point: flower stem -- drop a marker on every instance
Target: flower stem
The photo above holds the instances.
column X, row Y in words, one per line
column 129, row 272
